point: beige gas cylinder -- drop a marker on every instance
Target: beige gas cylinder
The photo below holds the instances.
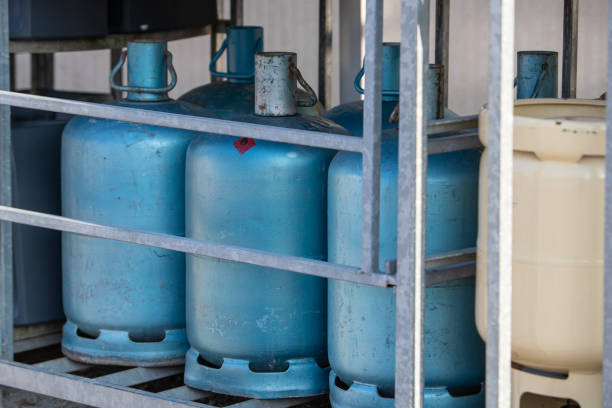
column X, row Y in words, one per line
column 557, row 251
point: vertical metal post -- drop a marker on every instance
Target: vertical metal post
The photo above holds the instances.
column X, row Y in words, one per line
column 371, row 136
column 607, row 351
column 442, row 42
column 13, row 61
column 6, row 233
column 237, row 12
column 412, row 176
column 499, row 211
column 570, row 48
column 42, row 71
column 325, row 52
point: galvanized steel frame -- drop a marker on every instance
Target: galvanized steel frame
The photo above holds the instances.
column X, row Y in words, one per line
column 499, row 211
column 411, row 264
column 607, row 350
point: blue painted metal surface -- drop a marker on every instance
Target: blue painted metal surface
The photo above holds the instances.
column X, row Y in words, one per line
column 255, row 331
column 350, row 115
column 536, row 74
column 125, row 303
column 236, row 96
column 241, row 43
column 361, row 319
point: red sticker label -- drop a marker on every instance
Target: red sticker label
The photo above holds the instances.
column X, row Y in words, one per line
column 244, row 144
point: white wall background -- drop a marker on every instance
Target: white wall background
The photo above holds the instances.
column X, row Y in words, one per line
column 293, row 25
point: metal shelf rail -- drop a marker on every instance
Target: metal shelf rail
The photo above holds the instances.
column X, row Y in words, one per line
column 407, row 275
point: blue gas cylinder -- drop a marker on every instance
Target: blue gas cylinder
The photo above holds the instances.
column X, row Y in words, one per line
column 256, row 331
column 125, row 303
column 361, row 319
column 236, row 95
column 350, row 115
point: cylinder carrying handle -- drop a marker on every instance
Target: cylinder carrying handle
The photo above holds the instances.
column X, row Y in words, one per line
column 311, row 93
column 539, row 82
column 359, row 89
column 212, row 67
column 143, row 89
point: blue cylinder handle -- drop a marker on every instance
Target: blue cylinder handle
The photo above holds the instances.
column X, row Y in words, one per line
column 213, row 65
column 311, row 93
column 359, row 89
column 141, row 88
column 538, row 86
column 539, row 82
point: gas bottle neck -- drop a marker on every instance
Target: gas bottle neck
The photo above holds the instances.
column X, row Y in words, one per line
column 147, row 69
column 275, row 84
column 391, row 71
column 536, row 74
column 243, row 42
column 435, row 101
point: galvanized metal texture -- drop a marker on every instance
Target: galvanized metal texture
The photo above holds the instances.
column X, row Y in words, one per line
column 6, row 229
column 83, row 390
column 412, row 173
column 225, row 127
column 570, row 48
column 184, row 393
column 499, row 222
column 61, row 365
column 463, row 141
column 139, row 375
column 452, row 124
column 607, row 343
column 36, row 342
column 106, row 392
column 191, row 246
column 370, row 224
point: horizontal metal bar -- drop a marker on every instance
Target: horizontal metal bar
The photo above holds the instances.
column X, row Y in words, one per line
column 446, row 259
column 82, row 390
column 279, row 403
column 61, row 365
column 456, row 272
column 452, row 124
column 36, row 342
column 184, row 393
column 139, row 375
column 191, row 246
column 464, row 141
column 199, row 124
column 36, row 330
column 109, row 41
column 445, row 267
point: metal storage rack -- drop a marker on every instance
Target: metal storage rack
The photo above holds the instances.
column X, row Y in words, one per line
column 406, row 274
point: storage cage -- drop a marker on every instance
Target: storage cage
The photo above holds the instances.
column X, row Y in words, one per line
column 406, row 274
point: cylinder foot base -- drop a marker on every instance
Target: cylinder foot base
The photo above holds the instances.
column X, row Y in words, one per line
column 114, row 347
column 361, row 395
column 583, row 388
column 303, row 378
